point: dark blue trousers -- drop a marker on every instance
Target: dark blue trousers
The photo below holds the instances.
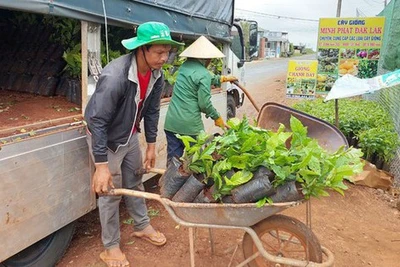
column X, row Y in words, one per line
column 175, row 146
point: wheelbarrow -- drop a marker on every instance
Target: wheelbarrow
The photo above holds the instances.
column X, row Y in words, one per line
column 282, row 235
column 270, row 239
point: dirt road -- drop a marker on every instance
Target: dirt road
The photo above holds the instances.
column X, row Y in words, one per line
column 361, row 228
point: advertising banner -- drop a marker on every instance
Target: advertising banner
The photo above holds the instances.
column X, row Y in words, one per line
column 348, row 46
column 301, row 78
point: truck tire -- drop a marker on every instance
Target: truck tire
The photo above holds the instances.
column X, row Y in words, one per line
column 44, row 253
column 230, row 107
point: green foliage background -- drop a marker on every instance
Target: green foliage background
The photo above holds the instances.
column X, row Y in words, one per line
column 365, row 124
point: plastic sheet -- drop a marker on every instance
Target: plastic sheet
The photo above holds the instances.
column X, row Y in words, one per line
column 348, row 85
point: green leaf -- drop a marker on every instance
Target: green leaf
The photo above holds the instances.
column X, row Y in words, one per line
column 228, row 139
column 197, row 168
column 186, row 140
column 261, row 202
column 239, row 178
column 209, row 149
column 249, row 144
column 208, row 165
column 203, row 137
column 345, row 170
column 299, row 131
column 239, row 161
column 314, row 165
column 195, row 156
column 234, row 123
column 222, row 166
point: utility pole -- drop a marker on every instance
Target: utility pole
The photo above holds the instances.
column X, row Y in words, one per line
column 339, row 8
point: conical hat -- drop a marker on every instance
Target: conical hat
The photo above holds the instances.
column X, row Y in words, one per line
column 202, row 48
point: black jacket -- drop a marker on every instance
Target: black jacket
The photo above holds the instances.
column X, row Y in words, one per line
column 112, row 109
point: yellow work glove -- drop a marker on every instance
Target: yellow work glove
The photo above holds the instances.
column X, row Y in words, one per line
column 229, row 78
column 220, row 122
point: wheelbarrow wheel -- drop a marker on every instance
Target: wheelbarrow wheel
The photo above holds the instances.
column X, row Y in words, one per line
column 282, row 236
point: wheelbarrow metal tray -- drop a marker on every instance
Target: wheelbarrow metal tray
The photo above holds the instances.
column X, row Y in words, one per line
column 242, row 215
column 329, row 137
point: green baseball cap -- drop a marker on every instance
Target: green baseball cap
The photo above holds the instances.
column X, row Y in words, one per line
column 150, row 33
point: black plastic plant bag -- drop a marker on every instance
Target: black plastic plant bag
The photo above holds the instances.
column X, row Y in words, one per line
column 189, row 191
column 286, row 193
column 172, row 180
column 253, row 190
column 257, row 188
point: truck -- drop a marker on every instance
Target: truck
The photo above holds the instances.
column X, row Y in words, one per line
column 45, row 170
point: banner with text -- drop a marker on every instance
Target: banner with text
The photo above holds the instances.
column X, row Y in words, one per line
column 348, row 46
column 301, row 82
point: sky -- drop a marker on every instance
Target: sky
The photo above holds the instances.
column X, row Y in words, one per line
column 302, row 31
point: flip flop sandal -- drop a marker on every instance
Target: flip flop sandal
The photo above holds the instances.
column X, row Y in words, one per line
column 157, row 238
column 108, row 261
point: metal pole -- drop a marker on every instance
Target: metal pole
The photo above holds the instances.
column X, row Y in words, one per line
column 337, row 113
column 84, row 70
column 385, row 2
column 339, row 8
column 191, row 246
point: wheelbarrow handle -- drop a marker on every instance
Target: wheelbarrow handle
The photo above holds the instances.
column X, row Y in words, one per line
column 156, row 170
column 153, row 170
column 247, row 94
column 134, row 193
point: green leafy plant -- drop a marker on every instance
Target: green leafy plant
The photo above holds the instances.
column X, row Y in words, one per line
column 170, row 73
column 197, row 157
column 379, row 142
column 244, row 148
column 66, row 31
column 364, row 123
column 112, row 54
column 216, row 64
column 74, row 61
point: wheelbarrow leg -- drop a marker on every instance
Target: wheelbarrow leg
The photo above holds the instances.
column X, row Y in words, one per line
column 191, row 245
column 210, row 233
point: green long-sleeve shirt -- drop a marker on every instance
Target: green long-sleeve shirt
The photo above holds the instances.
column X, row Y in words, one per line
column 191, row 97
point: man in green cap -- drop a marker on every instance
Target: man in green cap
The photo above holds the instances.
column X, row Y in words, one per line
column 128, row 90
